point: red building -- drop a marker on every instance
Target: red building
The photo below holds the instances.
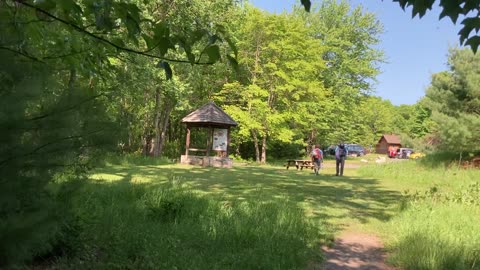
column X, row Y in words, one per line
column 387, row 143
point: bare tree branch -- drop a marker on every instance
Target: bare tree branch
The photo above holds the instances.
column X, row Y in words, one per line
column 22, row 54
column 56, row 141
column 63, row 55
column 65, row 109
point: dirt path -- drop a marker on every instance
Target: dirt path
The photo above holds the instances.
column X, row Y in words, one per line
column 357, row 251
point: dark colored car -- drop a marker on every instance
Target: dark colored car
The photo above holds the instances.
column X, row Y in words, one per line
column 355, row 150
column 330, row 150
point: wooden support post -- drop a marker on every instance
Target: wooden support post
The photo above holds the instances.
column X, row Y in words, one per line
column 209, row 141
column 228, row 142
column 187, row 146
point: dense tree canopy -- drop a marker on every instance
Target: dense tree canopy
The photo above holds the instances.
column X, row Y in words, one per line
column 307, row 92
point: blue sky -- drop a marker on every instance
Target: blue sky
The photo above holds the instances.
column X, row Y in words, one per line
column 414, row 48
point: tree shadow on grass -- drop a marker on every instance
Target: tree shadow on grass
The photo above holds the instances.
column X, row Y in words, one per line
column 334, row 201
column 150, row 225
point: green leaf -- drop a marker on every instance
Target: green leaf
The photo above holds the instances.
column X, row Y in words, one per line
column 167, row 68
column 451, row 9
column 69, row 5
column 420, row 7
column 119, row 42
column 149, row 41
column 464, row 33
column 162, row 38
column 213, row 52
column 197, row 35
column 161, row 30
column 473, row 42
column 190, row 55
column 134, row 11
column 71, row 9
column 473, row 22
column 123, row 10
column 213, row 39
column 221, row 29
column 470, row 5
column 182, row 41
column 164, row 44
column 103, row 22
column 233, row 62
column 45, row 4
column 306, row 4
column 132, row 26
column 402, row 3
column 232, row 46
column 468, row 25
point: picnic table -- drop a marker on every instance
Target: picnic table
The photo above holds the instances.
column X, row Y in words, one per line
column 299, row 163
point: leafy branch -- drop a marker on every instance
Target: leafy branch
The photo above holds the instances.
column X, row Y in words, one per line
column 31, row 57
column 65, row 109
column 104, row 40
column 450, row 8
column 56, row 141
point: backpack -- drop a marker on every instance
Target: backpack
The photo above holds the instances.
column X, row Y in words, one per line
column 316, row 153
column 342, row 151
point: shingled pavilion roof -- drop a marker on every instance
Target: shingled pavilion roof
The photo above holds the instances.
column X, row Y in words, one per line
column 209, row 115
column 391, row 138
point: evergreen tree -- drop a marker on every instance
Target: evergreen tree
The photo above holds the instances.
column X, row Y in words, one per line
column 454, row 99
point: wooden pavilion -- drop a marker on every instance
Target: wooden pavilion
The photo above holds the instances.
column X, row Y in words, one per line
column 218, row 123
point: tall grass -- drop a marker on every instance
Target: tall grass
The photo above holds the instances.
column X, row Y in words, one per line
column 429, row 236
column 138, row 226
column 132, row 159
column 411, row 175
column 438, row 223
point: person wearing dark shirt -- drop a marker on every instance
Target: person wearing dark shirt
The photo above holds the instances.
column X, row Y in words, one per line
column 341, row 153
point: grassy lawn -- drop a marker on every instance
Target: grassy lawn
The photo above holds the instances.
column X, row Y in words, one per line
column 339, row 202
column 427, row 215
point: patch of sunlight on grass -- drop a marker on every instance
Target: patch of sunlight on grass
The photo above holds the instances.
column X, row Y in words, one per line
column 107, row 177
column 324, row 197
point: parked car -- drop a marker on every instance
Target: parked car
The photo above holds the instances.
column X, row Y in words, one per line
column 416, row 155
column 355, row 150
column 330, row 150
column 403, row 153
column 392, row 153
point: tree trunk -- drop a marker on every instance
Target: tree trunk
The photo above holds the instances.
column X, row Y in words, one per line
column 163, row 127
column 156, row 124
column 146, row 137
column 311, row 140
column 255, row 143
column 254, row 81
column 146, row 140
column 71, row 80
column 264, row 150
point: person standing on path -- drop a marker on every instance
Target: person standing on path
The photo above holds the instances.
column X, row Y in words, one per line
column 341, row 153
column 317, row 159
